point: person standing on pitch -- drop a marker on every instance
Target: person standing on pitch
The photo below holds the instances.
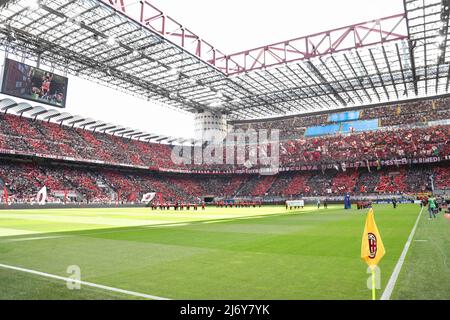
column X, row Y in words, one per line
column 431, row 207
column 325, row 204
column 394, row 203
column 318, row 203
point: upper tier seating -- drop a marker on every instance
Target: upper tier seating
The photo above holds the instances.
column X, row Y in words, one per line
column 392, row 115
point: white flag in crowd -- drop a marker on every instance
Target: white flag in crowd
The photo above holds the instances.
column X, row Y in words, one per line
column 42, row 196
column 368, row 166
column 148, row 197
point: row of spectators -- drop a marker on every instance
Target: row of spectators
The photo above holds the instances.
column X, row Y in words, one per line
column 371, row 145
column 23, row 134
column 393, row 115
column 22, row 181
column 394, row 180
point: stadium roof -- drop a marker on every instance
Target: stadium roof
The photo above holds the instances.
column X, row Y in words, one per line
column 133, row 47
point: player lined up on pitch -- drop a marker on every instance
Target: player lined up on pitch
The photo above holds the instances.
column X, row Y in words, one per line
column 178, row 206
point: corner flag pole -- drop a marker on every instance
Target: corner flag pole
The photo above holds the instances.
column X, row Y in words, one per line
column 372, row 247
column 374, row 297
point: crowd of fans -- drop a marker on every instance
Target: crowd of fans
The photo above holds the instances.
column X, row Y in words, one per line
column 393, row 115
column 409, row 113
column 289, row 128
column 400, row 138
column 23, row 180
column 371, row 145
column 49, row 139
column 25, row 135
column 78, row 184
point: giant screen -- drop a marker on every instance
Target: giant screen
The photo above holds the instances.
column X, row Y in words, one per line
column 27, row 82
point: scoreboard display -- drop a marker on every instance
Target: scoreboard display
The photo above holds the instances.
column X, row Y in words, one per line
column 31, row 83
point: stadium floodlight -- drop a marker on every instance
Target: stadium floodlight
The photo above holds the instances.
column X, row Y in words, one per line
column 32, row 4
column 111, row 41
column 173, row 71
column 216, row 104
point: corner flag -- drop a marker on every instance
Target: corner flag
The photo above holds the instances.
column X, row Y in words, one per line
column 372, row 248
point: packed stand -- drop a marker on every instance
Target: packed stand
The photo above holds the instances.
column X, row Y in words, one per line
column 100, row 185
column 410, row 113
column 20, row 134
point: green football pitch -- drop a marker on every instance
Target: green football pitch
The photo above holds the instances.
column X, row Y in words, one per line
column 232, row 253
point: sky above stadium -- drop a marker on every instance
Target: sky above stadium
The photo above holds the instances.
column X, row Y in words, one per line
column 231, row 26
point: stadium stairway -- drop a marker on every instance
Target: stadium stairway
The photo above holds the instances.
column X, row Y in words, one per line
column 186, row 186
column 246, row 187
column 320, row 183
column 263, row 185
column 278, row 188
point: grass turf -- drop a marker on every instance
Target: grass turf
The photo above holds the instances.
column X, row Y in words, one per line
column 244, row 253
column 426, row 272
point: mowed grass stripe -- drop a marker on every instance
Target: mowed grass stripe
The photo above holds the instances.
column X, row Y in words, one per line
column 398, row 267
column 81, row 282
column 18, row 285
column 308, row 255
column 17, row 222
column 426, row 271
column 53, row 223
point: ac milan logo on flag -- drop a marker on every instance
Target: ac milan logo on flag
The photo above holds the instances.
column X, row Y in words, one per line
column 41, row 197
column 372, row 245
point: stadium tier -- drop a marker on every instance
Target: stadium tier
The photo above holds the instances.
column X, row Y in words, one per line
column 404, row 141
column 411, row 113
column 78, row 184
column 95, row 167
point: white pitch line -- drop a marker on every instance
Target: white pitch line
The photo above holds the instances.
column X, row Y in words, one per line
column 33, row 238
column 398, row 267
column 89, row 284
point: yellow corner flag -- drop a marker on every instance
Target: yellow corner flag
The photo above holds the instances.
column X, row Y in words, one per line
column 372, row 248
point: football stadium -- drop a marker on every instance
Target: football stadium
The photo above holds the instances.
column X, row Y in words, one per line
column 318, row 167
